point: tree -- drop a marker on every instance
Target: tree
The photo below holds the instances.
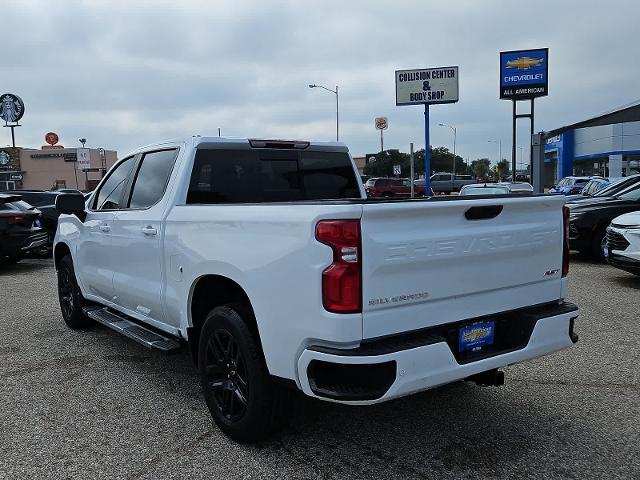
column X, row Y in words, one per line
column 441, row 161
column 502, row 168
column 383, row 166
column 481, row 167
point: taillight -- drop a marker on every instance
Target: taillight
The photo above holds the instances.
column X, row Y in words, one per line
column 16, row 219
column 565, row 248
column 341, row 281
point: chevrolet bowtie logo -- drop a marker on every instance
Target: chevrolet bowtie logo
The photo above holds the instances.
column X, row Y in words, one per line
column 524, row 63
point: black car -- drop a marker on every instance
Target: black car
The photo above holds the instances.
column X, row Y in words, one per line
column 45, row 201
column 588, row 219
column 20, row 230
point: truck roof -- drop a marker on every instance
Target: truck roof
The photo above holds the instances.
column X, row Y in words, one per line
column 198, row 141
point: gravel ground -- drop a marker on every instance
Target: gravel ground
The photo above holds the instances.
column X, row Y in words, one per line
column 96, row 405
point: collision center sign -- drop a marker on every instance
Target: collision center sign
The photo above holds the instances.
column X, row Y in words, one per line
column 524, row 74
column 427, row 86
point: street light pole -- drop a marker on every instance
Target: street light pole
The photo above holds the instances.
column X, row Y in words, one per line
column 337, row 107
column 455, row 132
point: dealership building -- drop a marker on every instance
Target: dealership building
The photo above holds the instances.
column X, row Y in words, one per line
column 53, row 167
column 606, row 145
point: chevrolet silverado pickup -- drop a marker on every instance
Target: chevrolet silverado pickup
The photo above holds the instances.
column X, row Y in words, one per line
column 267, row 260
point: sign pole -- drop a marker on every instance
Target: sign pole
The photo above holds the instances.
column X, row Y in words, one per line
column 513, row 144
column 413, row 174
column 427, row 153
column 531, row 145
column 381, row 141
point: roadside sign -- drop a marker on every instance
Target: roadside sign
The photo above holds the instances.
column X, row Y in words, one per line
column 524, row 74
column 427, row 86
column 84, row 160
column 381, row 123
column 396, row 170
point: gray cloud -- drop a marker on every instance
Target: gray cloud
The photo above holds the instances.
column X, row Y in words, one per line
column 125, row 73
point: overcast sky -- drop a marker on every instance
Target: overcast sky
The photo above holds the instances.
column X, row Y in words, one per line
column 128, row 73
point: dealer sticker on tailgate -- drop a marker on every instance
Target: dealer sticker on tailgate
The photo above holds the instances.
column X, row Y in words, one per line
column 475, row 336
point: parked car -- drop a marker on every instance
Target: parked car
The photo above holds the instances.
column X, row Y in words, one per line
column 570, row 185
column 45, row 202
column 622, row 245
column 391, row 187
column 268, row 260
column 588, row 220
column 592, row 187
column 502, row 188
column 20, row 230
column 614, row 187
column 448, row 183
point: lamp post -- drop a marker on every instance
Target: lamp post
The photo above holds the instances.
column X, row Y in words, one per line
column 337, row 107
column 454, row 145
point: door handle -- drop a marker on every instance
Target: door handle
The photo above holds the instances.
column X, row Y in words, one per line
column 149, row 230
column 105, row 228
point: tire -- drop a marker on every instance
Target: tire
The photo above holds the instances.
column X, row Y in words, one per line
column 70, row 297
column 597, row 243
column 243, row 400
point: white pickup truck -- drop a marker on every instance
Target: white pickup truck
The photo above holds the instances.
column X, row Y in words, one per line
column 268, row 261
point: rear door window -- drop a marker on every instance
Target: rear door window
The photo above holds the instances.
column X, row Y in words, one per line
column 270, row 175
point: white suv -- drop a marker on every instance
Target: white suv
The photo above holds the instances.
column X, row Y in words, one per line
column 622, row 249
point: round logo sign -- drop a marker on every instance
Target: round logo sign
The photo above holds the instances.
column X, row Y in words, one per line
column 51, row 138
column 381, row 123
column 11, row 107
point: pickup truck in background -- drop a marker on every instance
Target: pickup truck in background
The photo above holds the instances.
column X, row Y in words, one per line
column 266, row 258
column 448, row 183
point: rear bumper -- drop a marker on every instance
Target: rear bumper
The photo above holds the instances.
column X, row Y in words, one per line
column 382, row 370
column 18, row 243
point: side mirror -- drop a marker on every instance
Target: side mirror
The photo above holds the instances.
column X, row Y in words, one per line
column 71, row 204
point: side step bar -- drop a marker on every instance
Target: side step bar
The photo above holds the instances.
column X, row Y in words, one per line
column 134, row 331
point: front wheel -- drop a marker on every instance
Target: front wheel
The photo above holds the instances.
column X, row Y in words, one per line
column 70, row 297
column 245, row 404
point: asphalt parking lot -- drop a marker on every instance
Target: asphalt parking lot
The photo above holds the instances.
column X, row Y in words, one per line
column 96, row 405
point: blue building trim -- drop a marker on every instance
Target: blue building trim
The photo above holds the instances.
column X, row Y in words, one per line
column 566, row 154
column 606, row 154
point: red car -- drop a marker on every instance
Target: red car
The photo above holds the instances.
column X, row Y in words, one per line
column 391, row 187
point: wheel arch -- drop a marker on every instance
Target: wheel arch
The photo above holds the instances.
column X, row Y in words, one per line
column 208, row 292
column 59, row 252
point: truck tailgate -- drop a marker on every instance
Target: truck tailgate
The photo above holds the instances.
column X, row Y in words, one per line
column 425, row 263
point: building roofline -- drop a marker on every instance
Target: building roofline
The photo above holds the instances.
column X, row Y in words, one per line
column 595, row 120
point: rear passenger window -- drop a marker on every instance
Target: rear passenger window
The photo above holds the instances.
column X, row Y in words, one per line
column 270, row 175
column 151, row 180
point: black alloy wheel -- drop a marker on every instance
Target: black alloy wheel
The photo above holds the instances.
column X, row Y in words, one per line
column 65, row 292
column 226, row 373
column 70, row 296
column 242, row 398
